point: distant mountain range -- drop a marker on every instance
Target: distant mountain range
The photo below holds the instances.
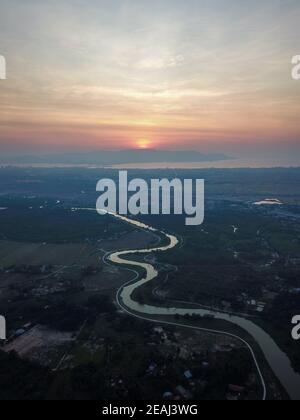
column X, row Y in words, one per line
column 107, row 158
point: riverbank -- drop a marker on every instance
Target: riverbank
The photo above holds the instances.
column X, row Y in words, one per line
column 278, row 360
column 274, row 389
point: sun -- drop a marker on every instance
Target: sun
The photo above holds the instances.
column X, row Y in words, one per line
column 143, row 144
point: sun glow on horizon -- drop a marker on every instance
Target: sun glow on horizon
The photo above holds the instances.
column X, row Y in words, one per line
column 144, row 144
column 147, row 76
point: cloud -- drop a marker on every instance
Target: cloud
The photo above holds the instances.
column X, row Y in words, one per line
column 158, row 63
column 203, row 66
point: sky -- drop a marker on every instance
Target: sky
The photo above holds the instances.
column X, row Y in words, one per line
column 212, row 76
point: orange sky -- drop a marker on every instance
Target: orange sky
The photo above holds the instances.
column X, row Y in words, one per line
column 195, row 74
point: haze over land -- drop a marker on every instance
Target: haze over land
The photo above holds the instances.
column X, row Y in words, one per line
column 145, row 159
column 105, row 157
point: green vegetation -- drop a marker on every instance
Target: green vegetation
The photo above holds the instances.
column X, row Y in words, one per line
column 22, row 380
column 57, row 225
column 51, row 275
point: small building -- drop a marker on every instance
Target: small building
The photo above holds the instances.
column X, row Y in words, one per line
column 20, row 332
column 236, row 388
column 188, row 375
column 152, row 368
column 158, row 330
column 184, row 393
column 168, row 395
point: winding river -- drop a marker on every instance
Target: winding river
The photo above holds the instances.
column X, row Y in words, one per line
column 276, row 358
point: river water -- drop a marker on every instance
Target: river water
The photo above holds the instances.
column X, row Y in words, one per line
column 276, row 358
